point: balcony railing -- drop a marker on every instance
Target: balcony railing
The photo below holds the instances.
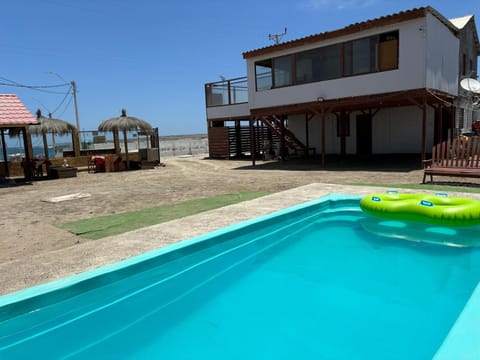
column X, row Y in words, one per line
column 227, row 92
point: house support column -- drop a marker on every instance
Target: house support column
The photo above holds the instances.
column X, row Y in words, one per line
column 238, row 138
column 342, row 130
column 440, row 123
column 423, row 107
column 424, row 128
column 308, row 117
column 323, row 116
column 452, row 121
column 283, row 147
column 253, row 149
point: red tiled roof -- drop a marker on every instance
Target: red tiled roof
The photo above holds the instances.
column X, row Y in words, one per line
column 353, row 28
column 13, row 113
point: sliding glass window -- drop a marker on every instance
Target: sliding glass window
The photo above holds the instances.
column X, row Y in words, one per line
column 362, row 56
column 318, row 64
column 263, row 74
column 330, row 64
column 282, row 71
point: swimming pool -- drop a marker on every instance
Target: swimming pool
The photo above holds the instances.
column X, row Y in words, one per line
column 312, row 281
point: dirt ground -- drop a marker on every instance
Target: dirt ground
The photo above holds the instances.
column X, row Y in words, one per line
column 27, row 221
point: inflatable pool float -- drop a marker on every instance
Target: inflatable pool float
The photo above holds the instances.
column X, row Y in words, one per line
column 432, row 209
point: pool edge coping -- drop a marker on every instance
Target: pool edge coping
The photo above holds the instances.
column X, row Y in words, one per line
column 39, row 290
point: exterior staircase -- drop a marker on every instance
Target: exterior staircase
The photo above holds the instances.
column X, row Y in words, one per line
column 284, row 134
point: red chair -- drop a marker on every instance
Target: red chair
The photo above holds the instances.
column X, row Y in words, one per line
column 96, row 164
column 99, row 164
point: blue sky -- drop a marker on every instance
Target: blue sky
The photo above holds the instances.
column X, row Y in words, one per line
column 154, row 57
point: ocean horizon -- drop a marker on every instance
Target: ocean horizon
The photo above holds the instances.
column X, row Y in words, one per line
column 19, row 152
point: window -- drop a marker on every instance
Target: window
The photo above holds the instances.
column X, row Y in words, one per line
column 360, row 56
column 263, row 74
column 304, row 66
column 318, row 64
column 282, row 71
column 375, row 53
column 329, row 63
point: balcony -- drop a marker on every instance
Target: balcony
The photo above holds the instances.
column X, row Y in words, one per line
column 227, row 92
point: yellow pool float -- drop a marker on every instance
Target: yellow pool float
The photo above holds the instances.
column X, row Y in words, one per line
column 433, row 209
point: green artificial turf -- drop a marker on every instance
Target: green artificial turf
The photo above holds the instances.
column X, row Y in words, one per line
column 102, row 226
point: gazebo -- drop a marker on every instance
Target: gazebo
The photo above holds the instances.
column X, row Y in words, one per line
column 124, row 123
column 14, row 115
column 53, row 126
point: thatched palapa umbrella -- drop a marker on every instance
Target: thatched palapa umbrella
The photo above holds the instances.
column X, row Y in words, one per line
column 48, row 125
column 124, row 123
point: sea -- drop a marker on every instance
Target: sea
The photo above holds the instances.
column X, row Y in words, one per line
column 16, row 153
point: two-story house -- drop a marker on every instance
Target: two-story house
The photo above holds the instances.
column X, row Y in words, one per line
column 383, row 86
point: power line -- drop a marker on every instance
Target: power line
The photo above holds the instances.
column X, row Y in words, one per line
column 32, row 88
column 66, row 107
column 14, row 83
column 61, row 102
column 41, row 88
column 8, row 82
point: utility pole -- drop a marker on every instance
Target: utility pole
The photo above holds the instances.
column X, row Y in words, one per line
column 74, row 90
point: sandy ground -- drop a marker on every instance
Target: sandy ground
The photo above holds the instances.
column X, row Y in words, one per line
column 27, row 221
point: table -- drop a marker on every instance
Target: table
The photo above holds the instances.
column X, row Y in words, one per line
column 60, row 172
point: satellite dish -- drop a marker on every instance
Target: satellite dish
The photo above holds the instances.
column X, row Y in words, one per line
column 470, row 84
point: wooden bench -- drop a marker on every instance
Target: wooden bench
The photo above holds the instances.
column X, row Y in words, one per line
column 458, row 158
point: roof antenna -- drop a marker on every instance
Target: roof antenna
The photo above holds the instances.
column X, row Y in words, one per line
column 276, row 37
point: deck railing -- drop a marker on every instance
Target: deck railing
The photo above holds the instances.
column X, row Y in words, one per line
column 227, row 92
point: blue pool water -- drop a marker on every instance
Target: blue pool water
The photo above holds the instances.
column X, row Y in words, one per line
column 308, row 283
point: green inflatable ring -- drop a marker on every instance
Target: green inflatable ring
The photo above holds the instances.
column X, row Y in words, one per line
column 432, row 209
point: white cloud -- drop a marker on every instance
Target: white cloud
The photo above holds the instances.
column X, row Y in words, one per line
column 338, row 4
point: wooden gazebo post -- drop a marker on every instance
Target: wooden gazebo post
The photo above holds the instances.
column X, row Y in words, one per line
column 76, row 142
column 27, row 141
column 116, row 142
column 4, row 152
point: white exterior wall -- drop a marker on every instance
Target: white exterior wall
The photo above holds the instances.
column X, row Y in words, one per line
column 394, row 130
column 228, row 111
column 399, row 130
column 411, row 73
column 442, row 56
column 332, row 144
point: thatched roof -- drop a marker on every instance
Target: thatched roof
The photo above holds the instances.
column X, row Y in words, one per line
column 47, row 125
column 124, row 123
